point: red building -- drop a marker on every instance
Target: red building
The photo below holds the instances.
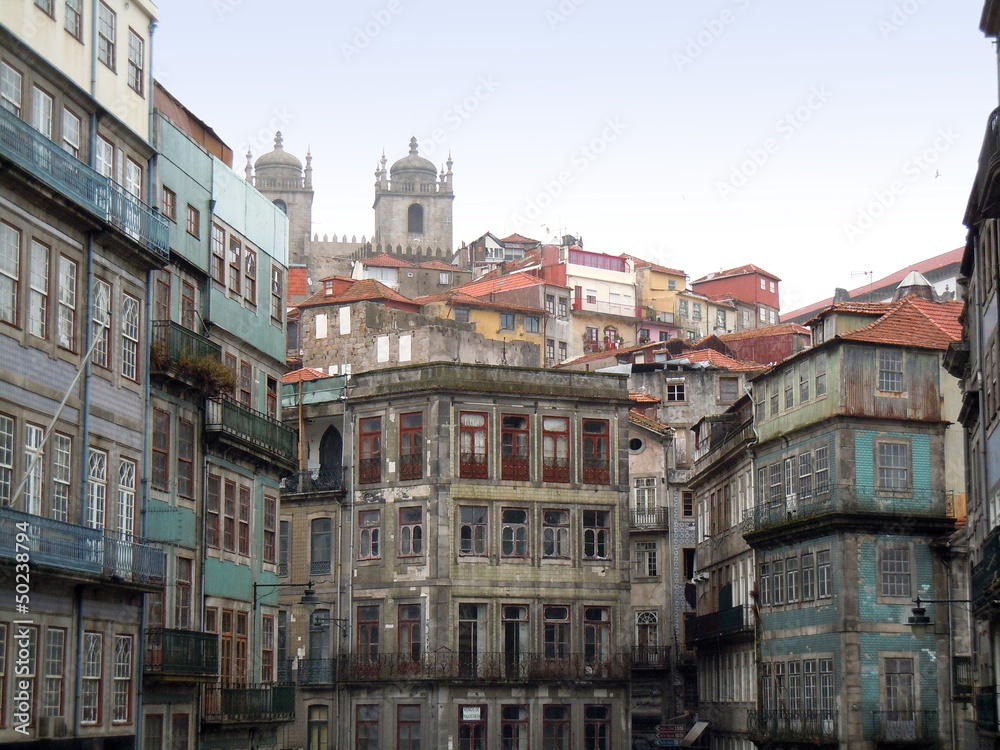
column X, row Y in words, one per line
column 748, row 284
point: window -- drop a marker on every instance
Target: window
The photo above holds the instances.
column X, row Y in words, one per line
column 74, row 19
column 805, row 475
column 532, row 324
column 55, row 668
column 213, row 492
column 366, row 726
column 41, row 111
column 506, row 321
column 472, row 728
column 193, row 221
column 284, row 542
column 597, row 534
column 591, row 296
column 824, row 575
column 597, row 634
column 687, row 503
column 550, row 304
column 596, row 452
column 900, row 699
column 188, row 308
column 563, row 351
column 646, row 559
column 266, row 648
column 38, row 290
column 34, row 462
column 160, row 475
column 242, row 633
column 462, row 314
column 792, row 579
column 893, row 466
column 126, row 497
column 106, row 35
column 778, row 582
column 514, row 442
column 408, row 727
column 369, row 534
column 66, row 321
column 321, row 546
column 808, row 577
column 804, row 382
column 121, row 689
column 370, row 450
column 473, row 446
column 563, row 307
column 596, row 728
column 319, row 728
column 10, row 263
column 101, row 322
column 136, row 57
column 218, row 250
column 91, row 666
column 821, row 470
column 682, row 308
column 270, row 517
column 411, row 531
column 182, row 593
column 250, row 275
column 277, row 294
column 555, row 534
column 890, row 370
column 62, row 463
column 555, row 629
column 729, row 389
column 771, row 317
column 774, row 397
column 894, row 571
column 472, row 530
column 555, row 727
column 763, row 285
column 235, row 264
column 169, row 204
column 10, row 89
column 695, row 311
column 514, row 727
column 411, row 445
column 762, row 313
column 689, row 562
column 514, row 532
column 97, row 488
column 368, row 630
column 644, row 495
column 675, row 392
column 104, row 157
column 789, row 377
column 555, row 449
column 410, row 632
column 130, row 337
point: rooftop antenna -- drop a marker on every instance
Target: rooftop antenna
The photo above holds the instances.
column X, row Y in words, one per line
column 868, row 275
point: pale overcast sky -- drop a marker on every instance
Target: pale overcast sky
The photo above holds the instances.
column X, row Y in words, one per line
column 818, row 140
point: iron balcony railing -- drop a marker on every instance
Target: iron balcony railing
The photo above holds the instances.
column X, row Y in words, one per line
column 986, row 709
column 654, row 518
column 555, row 469
column 986, row 574
column 989, row 151
column 181, row 653
column 177, row 343
column 314, row 480
column 650, row 657
column 473, row 465
column 726, row 622
column 713, row 451
column 904, row 726
column 266, row 434
column 89, row 189
column 515, row 468
column 232, row 703
column 596, row 471
column 370, row 470
column 69, row 547
column 482, row 667
column 841, row 499
column 313, row 671
column 411, row 466
column 816, row 727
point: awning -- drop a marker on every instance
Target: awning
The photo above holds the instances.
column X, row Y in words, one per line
column 692, row 737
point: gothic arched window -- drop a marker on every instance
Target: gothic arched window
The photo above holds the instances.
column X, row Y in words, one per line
column 415, row 219
column 281, row 204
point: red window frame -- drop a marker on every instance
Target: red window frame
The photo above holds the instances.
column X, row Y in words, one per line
column 555, row 449
column 410, row 632
column 368, row 631
column 596, row 451
column 370, row 450
column 411, row 442
column 369, row 534
column 472, row 732
column 411, row 531
column 474, row 445
column 213, row 493
column 515, row 442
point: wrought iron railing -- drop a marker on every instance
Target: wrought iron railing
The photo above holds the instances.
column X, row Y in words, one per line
column 315, row 671
column 315, row 480
column 646, row 657
column 481, row 667
column 839, row 499
column 231, row 418
column 70, row 177
column 985, row 578
column 473, row 465
column 178, row 343
column 243, row 703
column 725, row 622
column 181, row 653
column 515, row 468
column 133, row 559
column 904, row 725
column 654, row 518
column 411, row 466
column 370, row 470
column 816, row 727
column 555, row 469
column 596, row 471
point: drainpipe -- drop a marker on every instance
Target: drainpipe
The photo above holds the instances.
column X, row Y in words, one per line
column 78, row 681
column 93, row 58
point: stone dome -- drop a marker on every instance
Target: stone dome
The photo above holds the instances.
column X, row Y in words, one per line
column 279, row 157
column 413, row 162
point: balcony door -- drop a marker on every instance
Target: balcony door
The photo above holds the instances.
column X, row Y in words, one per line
column 515, row 640
column 469, row 638
column 331, row 455
column 900, row 717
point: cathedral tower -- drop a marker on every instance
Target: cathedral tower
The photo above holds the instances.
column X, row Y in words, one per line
column 278, row 175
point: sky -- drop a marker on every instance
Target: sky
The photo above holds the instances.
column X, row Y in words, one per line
column 820, row 141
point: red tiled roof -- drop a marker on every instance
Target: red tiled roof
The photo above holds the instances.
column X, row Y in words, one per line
column 386, row 261
column 893, row 279
column 856, row 308
column 519, row 238
column 642, row 398
column 717, row 359
column 913, row 321
column 608, row 353
column 298, row 281
column 457, row 297
column 335, row 277
column 503, row 283
column 776, row 330
column 438, row 265
column 650, row 424
column 738, row 271
column 306, row 373
column 359, row 291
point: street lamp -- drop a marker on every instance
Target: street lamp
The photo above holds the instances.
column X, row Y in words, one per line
column 919, row 620
column 308, row 596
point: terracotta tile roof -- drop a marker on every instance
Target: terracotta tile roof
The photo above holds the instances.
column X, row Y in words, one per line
column 642, row 398
column 386, row 261
column 335, row 277
column 457, row 297
column 359, row 291
column 738, row 271
column 913, row 321
column 892, row 280
column 776, row 330
column 298, row 281
column 593, row 356
column 306, row 373
column 650, row 424
column 874, row 309
column 717, row 359
column 519, row 238
column 439, row 265
column 504, row 283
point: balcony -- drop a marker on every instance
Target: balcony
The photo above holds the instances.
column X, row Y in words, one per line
column 247, row 703
column 91, row 191
column 986, row 574
column 250, row 430
column 78, row 549
column 654, row 519
column 473, row 465
column 515, row 468
column 904, row 728
column 370, row 470
column 326, row 479
column 182, row 654
column 847, row 500
column 180, row 349
column 316, row 671
column 555, row 469
column 815, row 727
column 482, row 667
column 726, row 623
column 650, row 657
column 596, row 471
column 980, row 200
column 411, row 466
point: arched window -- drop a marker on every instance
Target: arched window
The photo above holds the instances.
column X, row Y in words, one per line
column 415, row 219
column 281, row 204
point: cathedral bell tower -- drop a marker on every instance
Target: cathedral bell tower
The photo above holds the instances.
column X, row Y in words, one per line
column 279, row 176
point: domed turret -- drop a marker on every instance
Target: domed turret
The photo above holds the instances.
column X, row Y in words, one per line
column 412, row 169
column 278, row 168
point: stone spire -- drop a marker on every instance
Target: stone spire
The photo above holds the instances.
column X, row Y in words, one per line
column 309, row 169
column 248, row 170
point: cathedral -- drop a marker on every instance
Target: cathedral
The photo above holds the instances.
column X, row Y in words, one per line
column 413, row 211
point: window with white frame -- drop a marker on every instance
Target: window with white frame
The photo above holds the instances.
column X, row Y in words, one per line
column 62, row 464
column 136, row 57
column 644, row 494
column 66, row 318
column 106, row 35
column 38, row 290
column 646, row 559
column 33, row 463
column 91, row 668
column 130, row 337
column 74, row 19
column 597, row 534
column 895, row 571
column 101, row 322
column 97, row 488
column 10, row 264
column 890, row 370
column 555, row 534
column 42, row 106
column 893, row 466
column 121, row 690
column 10, row 89
column 54, row 672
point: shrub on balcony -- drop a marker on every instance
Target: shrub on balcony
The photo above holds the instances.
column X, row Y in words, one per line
column 208, row 374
